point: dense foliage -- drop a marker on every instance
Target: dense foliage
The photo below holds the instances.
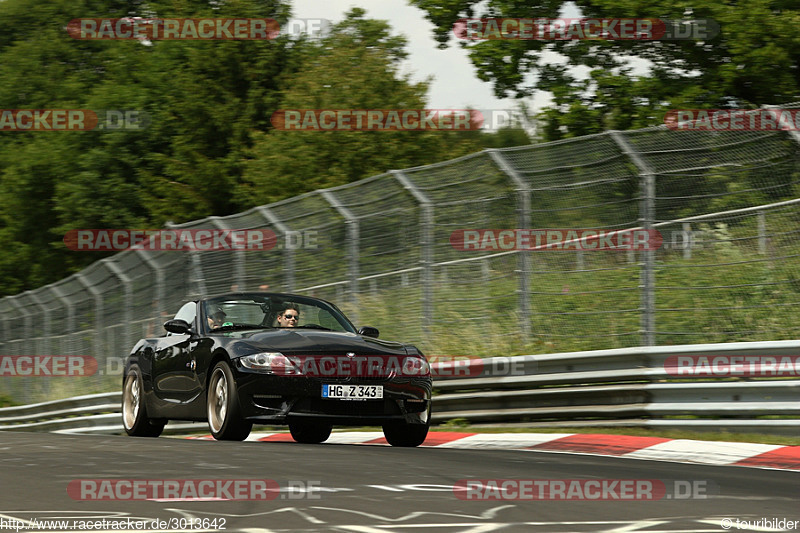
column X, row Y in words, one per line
column 754, row 61
column 209, row 148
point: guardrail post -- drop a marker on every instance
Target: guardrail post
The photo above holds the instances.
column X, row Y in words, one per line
column 352, row 225
column 647, row 217
column 523, row 256
column 426, row 245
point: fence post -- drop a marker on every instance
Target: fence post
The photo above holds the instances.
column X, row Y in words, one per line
column 238, row 256
column 47, row 347
column 762, row 233
column 524, row 221
column 6, row 327
column 689, row 242
column 47, row 331
column 288, row 253
column 353, row 251
column 70, row 315
column 647, row 217
column 426, row 244
column 197, row 280
column 26, row 332
column 127, row 311
column 159, row 303
column 98, row 316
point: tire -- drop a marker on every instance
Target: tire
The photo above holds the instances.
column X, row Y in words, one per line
column 407, row 435
column 309, row 432
column 134, row 413
column 224, row 413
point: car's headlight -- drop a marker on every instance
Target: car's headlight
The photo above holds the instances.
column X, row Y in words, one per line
column 416, row 366
column 269, row 362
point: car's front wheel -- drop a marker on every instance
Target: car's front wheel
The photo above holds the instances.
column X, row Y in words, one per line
column 405, row 434
column 309, row 432
column 134, row 413
column 224, row 414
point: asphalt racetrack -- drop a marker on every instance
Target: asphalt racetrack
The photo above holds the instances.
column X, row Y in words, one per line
column 371, row 489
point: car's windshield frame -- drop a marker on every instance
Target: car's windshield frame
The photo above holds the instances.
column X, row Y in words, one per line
column 274, row 302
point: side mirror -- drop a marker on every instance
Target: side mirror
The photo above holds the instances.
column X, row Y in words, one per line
column 177, row 326
column 369, row 331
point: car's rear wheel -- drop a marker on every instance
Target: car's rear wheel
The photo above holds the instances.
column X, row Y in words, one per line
column 224, row 413
column 134, row 413
column 309, row 432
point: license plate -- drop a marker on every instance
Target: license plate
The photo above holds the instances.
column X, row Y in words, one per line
column 353, row 392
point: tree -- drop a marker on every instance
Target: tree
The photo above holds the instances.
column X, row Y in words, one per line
column 754, row 61
column 203, row 101
column 356, row 67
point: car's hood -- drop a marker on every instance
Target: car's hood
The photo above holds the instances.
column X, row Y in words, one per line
column 311, row 342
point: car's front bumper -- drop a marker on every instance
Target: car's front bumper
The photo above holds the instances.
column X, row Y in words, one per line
column 267, row 398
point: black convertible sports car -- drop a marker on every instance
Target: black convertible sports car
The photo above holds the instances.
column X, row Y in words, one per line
column 245, row 358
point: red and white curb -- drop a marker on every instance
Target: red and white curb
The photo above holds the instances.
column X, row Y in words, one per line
column 650, row 448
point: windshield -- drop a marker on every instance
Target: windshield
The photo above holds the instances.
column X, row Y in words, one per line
column 242, row 311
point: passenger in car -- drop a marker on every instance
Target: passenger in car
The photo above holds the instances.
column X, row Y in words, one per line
column 216, row 319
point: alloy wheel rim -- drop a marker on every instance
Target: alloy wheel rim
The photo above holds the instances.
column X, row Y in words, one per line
column 132, row 399
column 218, row 400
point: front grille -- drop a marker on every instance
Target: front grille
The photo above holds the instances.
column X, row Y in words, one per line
column 368, row 368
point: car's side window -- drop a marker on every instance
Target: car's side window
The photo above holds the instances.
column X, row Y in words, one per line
column 187, row 313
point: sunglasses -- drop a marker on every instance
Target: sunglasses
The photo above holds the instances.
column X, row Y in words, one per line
column 289, row 317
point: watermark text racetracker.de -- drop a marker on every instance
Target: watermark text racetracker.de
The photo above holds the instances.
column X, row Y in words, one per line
column 174, row 28
column 192, row 489
column 555, row 239
column 567, row 29
column 47, row 365
column 117, row 240
column 193, row 29
column 582, row 489
column 733, row 365
column 321, row 120
column 765, row 119
column 36, row 120
column 380, row 365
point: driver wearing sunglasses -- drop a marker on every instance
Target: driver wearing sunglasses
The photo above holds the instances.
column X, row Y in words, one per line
column 289, row 317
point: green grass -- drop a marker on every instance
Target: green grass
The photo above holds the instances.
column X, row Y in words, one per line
column 6, row 401
column 726, row 292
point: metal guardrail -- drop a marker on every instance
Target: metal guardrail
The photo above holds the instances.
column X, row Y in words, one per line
column 625, row 387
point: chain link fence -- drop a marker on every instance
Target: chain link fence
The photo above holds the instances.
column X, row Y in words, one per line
column 727, row 206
